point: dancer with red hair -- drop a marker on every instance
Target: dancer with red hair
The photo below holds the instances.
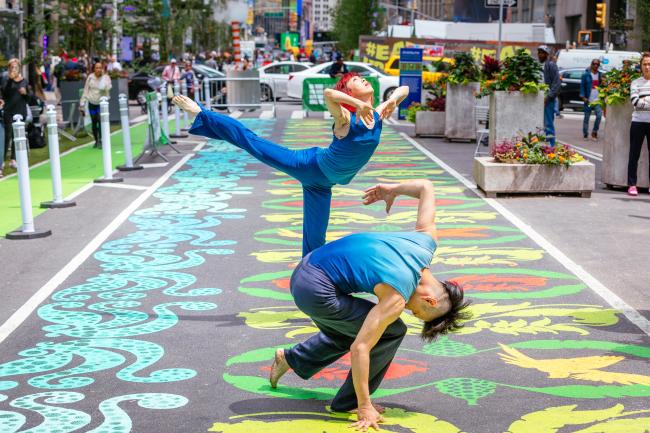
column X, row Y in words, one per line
column 356, row 132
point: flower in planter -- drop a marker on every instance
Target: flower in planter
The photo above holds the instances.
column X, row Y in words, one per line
column 520, row 72
column 434, row 102
column 72, row 75
column 615, row 87
column 464, row 70
column 533, row 149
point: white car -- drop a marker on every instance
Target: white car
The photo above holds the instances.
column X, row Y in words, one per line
column 387, row 83
column 275, row 76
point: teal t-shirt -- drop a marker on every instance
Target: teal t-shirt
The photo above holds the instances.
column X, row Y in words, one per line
column 358, row 262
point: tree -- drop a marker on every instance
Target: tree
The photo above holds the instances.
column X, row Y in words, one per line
column 353, row 18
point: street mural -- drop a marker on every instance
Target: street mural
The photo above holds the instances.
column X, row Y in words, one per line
column 541, row 354
column 535, row 329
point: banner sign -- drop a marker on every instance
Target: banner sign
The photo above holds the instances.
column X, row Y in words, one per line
column 313, row 90
column 156, row 134
column 410, row 74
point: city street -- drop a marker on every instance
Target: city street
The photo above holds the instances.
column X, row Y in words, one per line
column 158, row 303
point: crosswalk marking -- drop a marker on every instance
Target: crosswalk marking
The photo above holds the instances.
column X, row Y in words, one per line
column 236, row 114
column 267, row 114
column 298, row 114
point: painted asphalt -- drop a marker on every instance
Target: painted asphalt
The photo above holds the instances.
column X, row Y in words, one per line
column 170, row 324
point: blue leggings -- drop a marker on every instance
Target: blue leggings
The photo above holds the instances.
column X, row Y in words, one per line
column 339, row 318
column 299, row 164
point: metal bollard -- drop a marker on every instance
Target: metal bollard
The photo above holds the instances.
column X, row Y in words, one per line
column 55, row 162
column 27, row 231
column 206, row 93
column 126, row 136
column 177, row 115
column 197, row 91
column 186, row 119
column 106, row 144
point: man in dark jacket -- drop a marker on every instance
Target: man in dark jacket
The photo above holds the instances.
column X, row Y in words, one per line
column 339, row 68
column 591, row 79
column 552, row 80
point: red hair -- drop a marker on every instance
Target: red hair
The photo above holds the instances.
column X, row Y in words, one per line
column 342, row 86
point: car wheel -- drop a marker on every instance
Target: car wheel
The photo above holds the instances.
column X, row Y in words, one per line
column 389, row 92
column 267, row 93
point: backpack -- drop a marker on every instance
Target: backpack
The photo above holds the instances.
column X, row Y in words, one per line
column 35, row 137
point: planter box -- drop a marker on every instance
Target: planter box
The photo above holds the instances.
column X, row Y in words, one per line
column 70, row 94
column 459, row 111
column 498, row 178
column 616, row 149
column 431, row 123
column 515, row 113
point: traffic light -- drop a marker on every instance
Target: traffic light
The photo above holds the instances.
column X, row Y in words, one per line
column 601, row 14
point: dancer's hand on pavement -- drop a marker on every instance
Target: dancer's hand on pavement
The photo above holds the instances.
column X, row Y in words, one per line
column 387, row 109
column 381, row 191
column 367, row 417
column 365, row 110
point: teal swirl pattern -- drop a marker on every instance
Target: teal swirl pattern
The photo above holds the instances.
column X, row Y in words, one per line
column 90, row 327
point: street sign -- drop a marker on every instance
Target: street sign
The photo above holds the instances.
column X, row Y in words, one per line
column 410, row 74
column 495, row 3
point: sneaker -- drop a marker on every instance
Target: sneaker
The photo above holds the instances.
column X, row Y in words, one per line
column 13, row 164
column 585, row 136
column 632, row 191
column 594, row 135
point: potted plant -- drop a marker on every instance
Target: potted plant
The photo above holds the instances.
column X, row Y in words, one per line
column 462, row 87
column 119, row 84
column 71, row 84
column 429, row 118
column 614, row 96
column 516, row 94
column 526, row 164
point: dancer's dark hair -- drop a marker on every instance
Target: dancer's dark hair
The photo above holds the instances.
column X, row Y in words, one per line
column 452, row 319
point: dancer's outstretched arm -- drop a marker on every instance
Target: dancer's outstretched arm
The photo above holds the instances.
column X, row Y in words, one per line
column 421, row 189
column 334, row 99
column 186, row 104
column 386, row 108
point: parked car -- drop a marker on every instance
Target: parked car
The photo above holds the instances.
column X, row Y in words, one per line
column 387, row 83
column 581, row 58
column 275, row 76
column 434, row 68
column 570, row 89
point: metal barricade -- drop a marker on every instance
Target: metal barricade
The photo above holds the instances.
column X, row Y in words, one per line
column 238, row 92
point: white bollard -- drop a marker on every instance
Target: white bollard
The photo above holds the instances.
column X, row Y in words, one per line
column 107, row 157
column 197, row 90
column 164, row 108
column 206, row 93
column 27, row 231
column 186, row 119
column 126, row 136
column 177, row 115
column 55, row 162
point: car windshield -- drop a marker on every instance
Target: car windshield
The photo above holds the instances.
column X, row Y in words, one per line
column 375, row 69
column 206, row 70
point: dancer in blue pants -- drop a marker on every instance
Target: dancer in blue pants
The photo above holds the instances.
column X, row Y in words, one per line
column 393, row 266
column 356, row 131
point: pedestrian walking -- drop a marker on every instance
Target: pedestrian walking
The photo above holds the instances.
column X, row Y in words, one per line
column 356, row 133
column 171, row 73
column 98, row 84
column 212, row 62
column 188, row 76
column 15, row 96
column 591, row 79
column 339, row 68
column 392, row 266
column 114, row 65
column 552, row 80
column 640, row 127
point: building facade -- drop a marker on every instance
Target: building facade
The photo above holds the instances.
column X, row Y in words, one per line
column 322, row 11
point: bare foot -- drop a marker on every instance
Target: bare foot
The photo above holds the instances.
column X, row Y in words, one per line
column 379, row 408
column 186, row 104
column 279, row 367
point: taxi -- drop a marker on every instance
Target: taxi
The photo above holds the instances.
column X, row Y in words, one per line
column 433, row 68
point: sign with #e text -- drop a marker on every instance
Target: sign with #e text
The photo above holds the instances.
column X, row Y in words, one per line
column 496, row 3
column 410, row 74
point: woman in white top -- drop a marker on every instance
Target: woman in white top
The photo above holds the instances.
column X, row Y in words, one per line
column 98, row 84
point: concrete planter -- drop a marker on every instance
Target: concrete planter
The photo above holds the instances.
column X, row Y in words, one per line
column 70, row 94
column 499, row 178
column 515, row 113
column 430, row 123
column 616, row 149
column 459, row 111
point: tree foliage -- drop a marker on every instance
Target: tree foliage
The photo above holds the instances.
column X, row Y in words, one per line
column 353, row 18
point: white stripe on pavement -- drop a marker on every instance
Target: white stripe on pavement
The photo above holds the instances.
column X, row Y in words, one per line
column 327, row 115
column 266, row 114
column 236, row 114
column 122, row 186
column 610, row 297
column 589, row 153
column 44, row 292
column 154, row 164
column 298, row 114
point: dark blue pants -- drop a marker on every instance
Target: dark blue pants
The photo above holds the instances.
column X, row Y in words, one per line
column 299, row 164
column 339, row 317
column 549, row 121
